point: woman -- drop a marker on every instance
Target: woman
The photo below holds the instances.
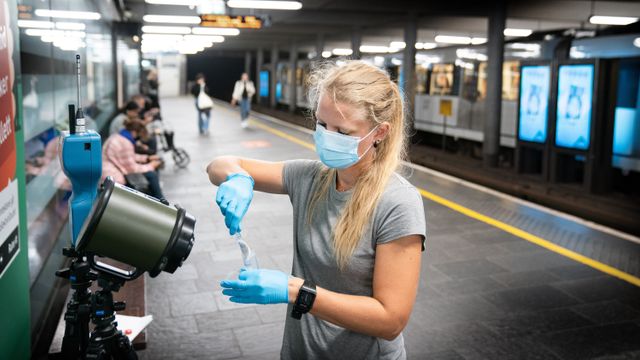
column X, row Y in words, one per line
column 358, row 226
column 119, row 158
column 243, row 91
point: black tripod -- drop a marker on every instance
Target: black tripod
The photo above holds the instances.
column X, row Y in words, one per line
column 105, row 342
column 76, row 332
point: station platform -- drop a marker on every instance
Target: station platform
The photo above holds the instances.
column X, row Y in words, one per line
column 501, row 278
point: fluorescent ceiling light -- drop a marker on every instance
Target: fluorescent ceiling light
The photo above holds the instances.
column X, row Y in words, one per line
column 326, row 54
column 517, row 32
column 70, row 26
column 342, row 52
column 174, row 2
column 373, row 49
column 81, row 15
column 215, row 31
column 397, row 45
column 611, row 20
column 55, row 33
column 166, row 29
column 426, row 45
column 171, row 19
column 478, row 40
column 525, row 46
column 449, row 39
column 205, row 38
column 265, row 4
column 35, row 24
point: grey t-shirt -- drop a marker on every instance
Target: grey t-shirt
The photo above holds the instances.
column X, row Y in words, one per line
column 400, row 212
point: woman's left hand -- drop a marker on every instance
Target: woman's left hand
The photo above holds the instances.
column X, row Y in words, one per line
column 258, row 286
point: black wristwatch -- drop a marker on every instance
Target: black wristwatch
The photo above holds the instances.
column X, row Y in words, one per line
column 305, row 299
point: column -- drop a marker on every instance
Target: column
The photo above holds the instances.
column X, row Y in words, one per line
column 319, row 46
column 409, row 65
column 495, row 51
column 247, row 62
column 259, row 61
column 293, row 85
column 356, row 41
column 272, row 76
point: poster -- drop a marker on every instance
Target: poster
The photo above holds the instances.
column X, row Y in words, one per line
column 573, row 113
column 264, row 83
column 534, row 103
column 9, row 215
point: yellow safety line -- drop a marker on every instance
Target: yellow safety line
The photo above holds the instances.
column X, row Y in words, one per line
column 493, row 222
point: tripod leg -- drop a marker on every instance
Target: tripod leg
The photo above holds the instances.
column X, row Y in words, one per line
column 124, row 349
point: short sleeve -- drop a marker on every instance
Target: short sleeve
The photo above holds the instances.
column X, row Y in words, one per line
column 400, row 213
column 298, row 175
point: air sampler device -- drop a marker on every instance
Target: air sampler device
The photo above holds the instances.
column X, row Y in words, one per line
column 116, row 222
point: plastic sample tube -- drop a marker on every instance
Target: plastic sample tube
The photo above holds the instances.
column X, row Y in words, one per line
column 249, row 258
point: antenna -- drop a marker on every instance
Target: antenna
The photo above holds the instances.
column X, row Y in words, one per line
column 80, row 122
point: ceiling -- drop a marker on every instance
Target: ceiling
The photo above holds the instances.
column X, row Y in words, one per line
column 383, row 21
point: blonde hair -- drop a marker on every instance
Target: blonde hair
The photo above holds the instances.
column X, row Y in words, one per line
column 371, row 91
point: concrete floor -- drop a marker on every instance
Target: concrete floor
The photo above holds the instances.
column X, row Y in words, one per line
column 484, row 293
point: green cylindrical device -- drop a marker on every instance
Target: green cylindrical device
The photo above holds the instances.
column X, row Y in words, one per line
column 138, row 230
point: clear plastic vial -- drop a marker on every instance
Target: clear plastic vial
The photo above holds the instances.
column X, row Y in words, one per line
column 249, row 258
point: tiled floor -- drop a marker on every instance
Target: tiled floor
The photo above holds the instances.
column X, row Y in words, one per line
column 484, row 294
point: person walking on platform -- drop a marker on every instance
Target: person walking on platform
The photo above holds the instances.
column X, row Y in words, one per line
column 242, row 93
column 204, row 104
column 359, row 227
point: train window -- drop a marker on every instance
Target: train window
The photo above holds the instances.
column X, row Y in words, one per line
column 510, row 80
column 442, row 79
column 422, row 80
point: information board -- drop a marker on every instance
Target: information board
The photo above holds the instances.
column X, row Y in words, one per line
column 534, row 103
column 573, row 112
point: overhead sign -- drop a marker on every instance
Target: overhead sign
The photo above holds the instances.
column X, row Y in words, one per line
column 226, row 21
column 573, row 112
column 534, row 103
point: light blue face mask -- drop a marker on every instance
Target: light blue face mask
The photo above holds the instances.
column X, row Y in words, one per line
column 336, row 150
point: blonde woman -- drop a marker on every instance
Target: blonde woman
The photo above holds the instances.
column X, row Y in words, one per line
column 359, row 227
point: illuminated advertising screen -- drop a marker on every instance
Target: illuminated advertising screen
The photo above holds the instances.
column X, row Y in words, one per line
column 573, row 112
column 264, row 83
column 534, row 103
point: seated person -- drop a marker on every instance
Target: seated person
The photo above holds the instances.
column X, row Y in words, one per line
column 119, row 158
column 130, row 112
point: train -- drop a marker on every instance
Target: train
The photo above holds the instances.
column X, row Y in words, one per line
column 458, row 75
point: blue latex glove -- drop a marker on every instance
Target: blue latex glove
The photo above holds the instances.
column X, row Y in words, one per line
column 233, row 197
column 258, row 286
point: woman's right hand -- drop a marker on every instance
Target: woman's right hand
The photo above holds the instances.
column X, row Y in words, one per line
column 233, row 197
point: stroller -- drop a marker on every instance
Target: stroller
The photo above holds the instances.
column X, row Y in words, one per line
column 164, row 138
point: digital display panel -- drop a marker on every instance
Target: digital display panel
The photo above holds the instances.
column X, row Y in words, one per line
column 264, row 83
column 534, row 103
column 573, row 112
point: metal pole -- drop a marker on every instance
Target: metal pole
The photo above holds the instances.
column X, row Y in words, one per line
column 356, row 41
column 272, row 76
column 259, row 61
column 293, row 84
column 491, row 146
column 409, row 66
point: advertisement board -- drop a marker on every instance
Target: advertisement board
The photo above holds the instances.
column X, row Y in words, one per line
column 573, row 111
column 534, row 103
column 264, row 83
